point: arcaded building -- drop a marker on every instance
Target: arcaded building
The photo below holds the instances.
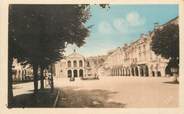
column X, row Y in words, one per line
column 137, row 58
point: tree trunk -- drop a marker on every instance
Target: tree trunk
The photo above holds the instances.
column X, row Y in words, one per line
column 52, row 81
column 23, row 73
column 10, row 80
column 35, row 73
column 42, row 77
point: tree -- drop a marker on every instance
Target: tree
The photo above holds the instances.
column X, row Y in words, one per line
column 38, row 34
column 44, row 64
column 165, row 42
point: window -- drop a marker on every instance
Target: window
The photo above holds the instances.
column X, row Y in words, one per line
column 81, row 73
column 80, row 63
column 69, row 73
column 75, row 73
column 69, row 64
column 75, row 63
column 88, row 65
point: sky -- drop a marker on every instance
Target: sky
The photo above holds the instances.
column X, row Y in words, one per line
column 120, row 24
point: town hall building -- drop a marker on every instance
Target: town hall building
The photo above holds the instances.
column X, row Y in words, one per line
column 71, row 66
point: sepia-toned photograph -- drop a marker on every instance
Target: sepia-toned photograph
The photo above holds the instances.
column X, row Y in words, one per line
column 93, row 56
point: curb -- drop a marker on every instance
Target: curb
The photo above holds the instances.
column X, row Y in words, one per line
column 56, row 100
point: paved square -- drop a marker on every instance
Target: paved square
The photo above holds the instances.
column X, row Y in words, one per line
column 134, row 92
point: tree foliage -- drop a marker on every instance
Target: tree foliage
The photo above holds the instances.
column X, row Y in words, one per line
column 35, row 29
column 165, row 41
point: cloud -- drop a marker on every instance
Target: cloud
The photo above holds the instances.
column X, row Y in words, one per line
column 135, row 19
column 120, row 25
column 105, row 27
column 130, row 23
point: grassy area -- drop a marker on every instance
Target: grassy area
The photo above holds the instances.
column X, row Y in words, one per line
column 44, row 98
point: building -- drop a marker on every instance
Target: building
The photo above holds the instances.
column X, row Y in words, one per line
column 137, row 58
column 76, row 65
column 95, row 65
column 21, row 72
column 71, row 66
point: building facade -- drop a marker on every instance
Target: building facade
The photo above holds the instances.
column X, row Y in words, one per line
column 137, row 58
column 21, row 72
column 71, row 66
column 76, row 65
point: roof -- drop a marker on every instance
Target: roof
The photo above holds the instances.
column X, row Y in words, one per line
column 75, row 55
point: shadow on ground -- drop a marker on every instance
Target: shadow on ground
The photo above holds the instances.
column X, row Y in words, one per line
column 44, row 98
column 172, row 82
column 76, row 98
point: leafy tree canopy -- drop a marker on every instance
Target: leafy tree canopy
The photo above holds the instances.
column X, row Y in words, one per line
column 38, row 32
column 165, row 41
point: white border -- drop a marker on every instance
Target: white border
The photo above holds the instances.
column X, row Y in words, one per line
column 4, row 59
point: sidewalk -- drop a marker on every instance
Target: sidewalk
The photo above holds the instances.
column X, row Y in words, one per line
column 24, row 97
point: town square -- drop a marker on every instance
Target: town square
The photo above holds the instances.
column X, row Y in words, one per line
column 93, row 56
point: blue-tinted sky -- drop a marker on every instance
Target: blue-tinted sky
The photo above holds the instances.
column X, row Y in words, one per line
column 121, row 24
